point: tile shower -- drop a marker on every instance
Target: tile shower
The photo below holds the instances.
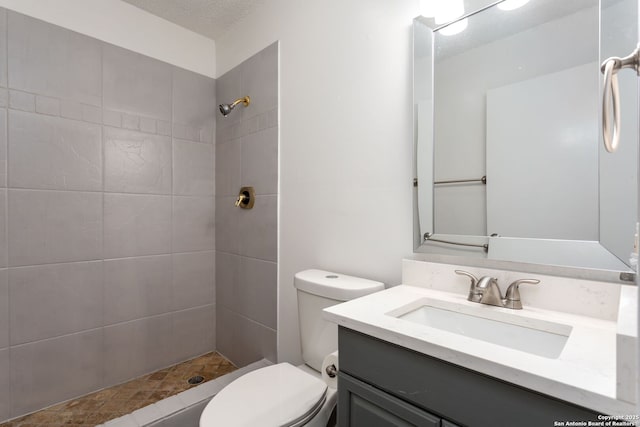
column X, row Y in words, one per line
column 116, row 203
column 106, row 214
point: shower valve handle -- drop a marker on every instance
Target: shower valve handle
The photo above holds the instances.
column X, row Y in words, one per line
column 241, row 199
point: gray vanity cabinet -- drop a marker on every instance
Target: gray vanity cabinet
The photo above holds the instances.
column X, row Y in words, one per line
column 365, row 405
column 381, row 384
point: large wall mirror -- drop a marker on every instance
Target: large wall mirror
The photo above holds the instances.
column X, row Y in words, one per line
column 509, row 160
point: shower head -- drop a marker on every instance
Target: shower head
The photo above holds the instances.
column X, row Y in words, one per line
column 225, row 109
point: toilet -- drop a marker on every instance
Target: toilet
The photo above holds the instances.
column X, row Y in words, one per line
column 284, row 395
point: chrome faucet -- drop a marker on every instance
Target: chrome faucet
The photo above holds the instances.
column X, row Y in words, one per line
column 487, row 291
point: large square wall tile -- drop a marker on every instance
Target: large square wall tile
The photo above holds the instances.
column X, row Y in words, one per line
column 227, row 225
column 227, row 279
column 53, row 300
column 258, row 291
column 136, row 84
column 136, row 224
column 193, row 280
column 135, row 348
column 193, row 224
column 50, row 60
column 228, row 160
column 194, row 103
column 50, row 371
column 242, row 340
column 260, row 79
column 54, row 153
column 136, row 287
column 54, row 226
column 136, row 162
column 258, row 229
column 193, row 332
column 193, row 168
column 260, row 160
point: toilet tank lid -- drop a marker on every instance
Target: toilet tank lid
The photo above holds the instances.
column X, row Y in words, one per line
column 336, row 286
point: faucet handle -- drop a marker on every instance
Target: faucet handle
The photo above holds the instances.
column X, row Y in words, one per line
column 512, row 297
column 473, row 278
column 473, row 293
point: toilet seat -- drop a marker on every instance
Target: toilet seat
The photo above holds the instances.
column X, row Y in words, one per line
column 279, row 395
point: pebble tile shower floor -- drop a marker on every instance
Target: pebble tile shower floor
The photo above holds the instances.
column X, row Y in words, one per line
column 113, row 402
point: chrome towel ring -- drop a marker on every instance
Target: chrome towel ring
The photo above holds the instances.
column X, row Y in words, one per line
column 611, row 96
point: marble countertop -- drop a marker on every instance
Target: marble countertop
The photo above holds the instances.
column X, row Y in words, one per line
column 584, row 373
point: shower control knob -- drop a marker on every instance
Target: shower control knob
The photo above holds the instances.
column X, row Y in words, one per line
column 241, row 199
column 246, row 198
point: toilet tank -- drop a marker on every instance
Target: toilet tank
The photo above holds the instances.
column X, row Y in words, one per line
column 317, row 290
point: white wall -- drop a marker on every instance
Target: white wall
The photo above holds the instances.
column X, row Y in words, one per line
column 544, row 168
column 345, row 137
column 124, row 25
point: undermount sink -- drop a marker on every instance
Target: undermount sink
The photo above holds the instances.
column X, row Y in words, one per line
column 534, row 336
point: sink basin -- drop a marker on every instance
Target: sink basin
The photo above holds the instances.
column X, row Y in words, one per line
column 542, row 338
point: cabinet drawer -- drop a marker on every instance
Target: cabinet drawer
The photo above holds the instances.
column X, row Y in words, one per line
column 449, row 391
column 361, row 405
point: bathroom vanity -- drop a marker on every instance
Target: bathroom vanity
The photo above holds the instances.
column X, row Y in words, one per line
column 399, row 385
column 422, row 354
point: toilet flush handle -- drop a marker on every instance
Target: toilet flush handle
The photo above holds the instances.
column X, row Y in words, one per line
column 332, row 371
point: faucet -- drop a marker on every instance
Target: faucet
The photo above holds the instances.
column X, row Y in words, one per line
column 487, row 291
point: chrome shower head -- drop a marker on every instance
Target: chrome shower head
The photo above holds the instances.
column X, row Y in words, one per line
column 225, row 109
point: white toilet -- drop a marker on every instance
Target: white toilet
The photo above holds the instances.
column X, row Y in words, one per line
column 284, row 395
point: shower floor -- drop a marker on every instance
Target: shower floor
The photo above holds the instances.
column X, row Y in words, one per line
column 104, row 405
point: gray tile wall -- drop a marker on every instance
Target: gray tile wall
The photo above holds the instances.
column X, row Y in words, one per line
column 246, row 240
column 106, row 214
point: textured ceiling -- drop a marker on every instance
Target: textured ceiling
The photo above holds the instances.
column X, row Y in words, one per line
column 211, row 18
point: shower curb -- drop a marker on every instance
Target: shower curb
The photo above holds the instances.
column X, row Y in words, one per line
column 182, row 409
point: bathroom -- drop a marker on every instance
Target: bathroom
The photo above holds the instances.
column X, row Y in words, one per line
column 331, row 119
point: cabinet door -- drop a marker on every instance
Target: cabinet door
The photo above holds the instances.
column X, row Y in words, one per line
column 362, row 405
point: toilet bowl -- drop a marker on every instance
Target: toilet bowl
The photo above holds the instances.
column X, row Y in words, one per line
column 284, row 395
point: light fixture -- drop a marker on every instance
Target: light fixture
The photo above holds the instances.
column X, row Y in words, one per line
column 455, row 28
column 448, row 10
column 512, row 4
column 428, row 8
column 443, row 12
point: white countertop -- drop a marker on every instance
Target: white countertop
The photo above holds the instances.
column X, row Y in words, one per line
column 584, row 373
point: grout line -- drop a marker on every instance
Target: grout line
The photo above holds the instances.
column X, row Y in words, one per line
column 13, row 267
column 248, row 257
column 172, row 294
column 119, row 193
column 103, row 373
column 55, row 337
column 237, row 313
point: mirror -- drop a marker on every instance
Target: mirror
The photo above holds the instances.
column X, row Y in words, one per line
column 509, row 158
